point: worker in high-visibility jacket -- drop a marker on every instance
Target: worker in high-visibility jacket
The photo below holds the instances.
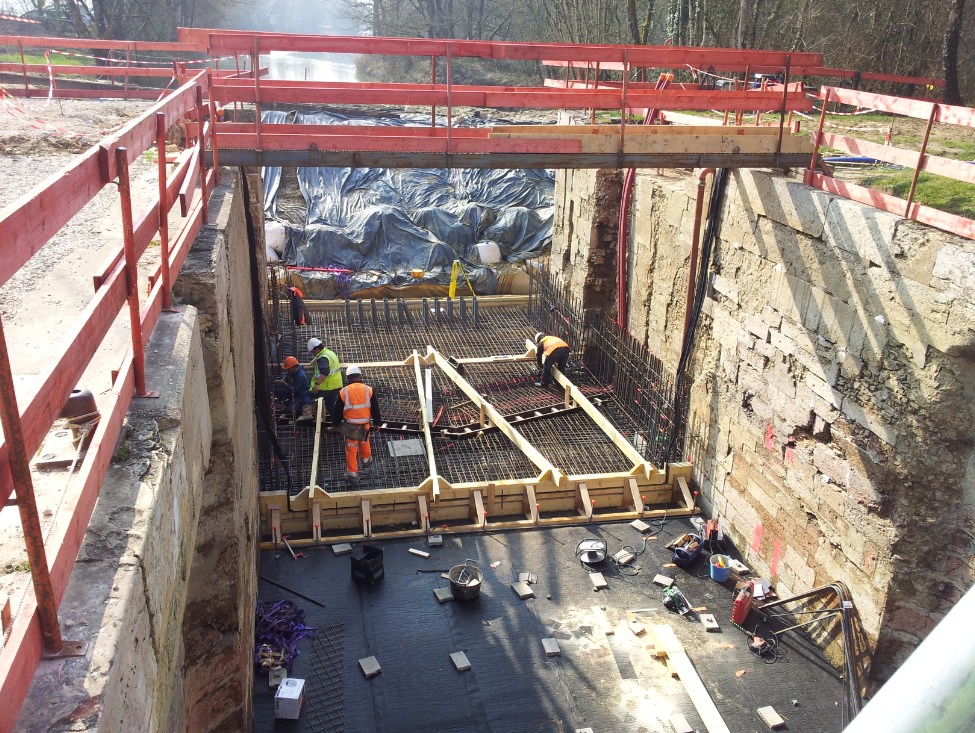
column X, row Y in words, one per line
column 326, row 378
column 550, row 351
column 360, row 411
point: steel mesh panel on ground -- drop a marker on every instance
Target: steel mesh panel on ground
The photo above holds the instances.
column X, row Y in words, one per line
column 575, row 444
column 324, row 710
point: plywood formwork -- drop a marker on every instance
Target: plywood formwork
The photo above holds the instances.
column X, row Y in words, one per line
column 498, row 451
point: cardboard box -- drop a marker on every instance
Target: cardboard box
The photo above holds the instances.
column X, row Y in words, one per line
column 289, row 698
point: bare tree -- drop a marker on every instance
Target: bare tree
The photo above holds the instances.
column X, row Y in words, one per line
column 949, row 55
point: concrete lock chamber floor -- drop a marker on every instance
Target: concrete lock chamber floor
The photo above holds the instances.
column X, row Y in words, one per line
column 606, row 682
column 609, row 683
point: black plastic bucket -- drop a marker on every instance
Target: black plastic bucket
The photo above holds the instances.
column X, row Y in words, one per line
column 465, row 581
column 367, row 564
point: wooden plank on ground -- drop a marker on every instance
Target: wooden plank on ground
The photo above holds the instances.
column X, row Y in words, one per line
column 680, row 664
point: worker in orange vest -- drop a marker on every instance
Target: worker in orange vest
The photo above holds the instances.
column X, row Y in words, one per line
column 550, row 351
column 360, row 410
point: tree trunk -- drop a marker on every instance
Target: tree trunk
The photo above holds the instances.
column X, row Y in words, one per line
column 744, row 18
column 632, row 22
column 949, row 54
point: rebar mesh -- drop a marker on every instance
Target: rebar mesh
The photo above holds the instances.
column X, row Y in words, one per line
column 629, row 385
column 325, row 696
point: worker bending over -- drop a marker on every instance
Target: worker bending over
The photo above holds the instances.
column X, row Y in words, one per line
column 360, row 410
column 550, row 351
column 293, row 387
column 326, row 380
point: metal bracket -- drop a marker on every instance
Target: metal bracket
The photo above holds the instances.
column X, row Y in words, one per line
column 149, row 393
column 68, row 649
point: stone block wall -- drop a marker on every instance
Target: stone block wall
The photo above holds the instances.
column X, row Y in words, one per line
column 833, row 383
column 165, row 583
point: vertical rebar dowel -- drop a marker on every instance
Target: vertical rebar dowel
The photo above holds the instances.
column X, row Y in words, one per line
column 389, row 320
column 463, row 309
column 426, row 313
column 474, row 310
column 375, row 314
column 399, row 311
column 436, row 310
column 362, row 313
column 348, row 314
column 450, row 309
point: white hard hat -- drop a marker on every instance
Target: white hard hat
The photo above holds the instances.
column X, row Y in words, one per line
column 313, row 343
column 352, row 370
column 538, row 336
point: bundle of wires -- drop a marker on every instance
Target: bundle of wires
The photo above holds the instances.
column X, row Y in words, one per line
column 280, row 626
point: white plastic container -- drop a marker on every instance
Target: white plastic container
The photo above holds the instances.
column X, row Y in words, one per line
column 489, row 252
column 276, row 236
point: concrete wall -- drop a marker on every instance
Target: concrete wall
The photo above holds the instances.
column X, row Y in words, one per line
column 833, row 383
column 165, row 584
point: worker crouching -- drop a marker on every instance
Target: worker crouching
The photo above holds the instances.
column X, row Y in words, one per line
column 360, row 410
column 550, row 351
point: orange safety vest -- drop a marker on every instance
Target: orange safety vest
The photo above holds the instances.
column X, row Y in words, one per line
column 551, row 343
column 358, row 403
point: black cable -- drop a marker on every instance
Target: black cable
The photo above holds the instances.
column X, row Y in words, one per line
column 261, row 376
column 704, row 265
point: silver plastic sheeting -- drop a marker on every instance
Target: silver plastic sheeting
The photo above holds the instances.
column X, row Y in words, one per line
column 383, row 225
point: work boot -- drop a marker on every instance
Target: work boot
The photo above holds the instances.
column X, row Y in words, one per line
column 366, row 463
column 352, row 477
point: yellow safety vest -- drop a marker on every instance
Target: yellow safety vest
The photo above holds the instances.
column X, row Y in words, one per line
column 332, row 380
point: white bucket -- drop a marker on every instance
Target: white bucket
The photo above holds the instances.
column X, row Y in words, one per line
column 489, row 252
column 275, row 236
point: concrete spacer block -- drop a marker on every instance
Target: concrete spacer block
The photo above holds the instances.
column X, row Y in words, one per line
column 370, row 667
column 772, row 719
column 343, row 548
column 461, row 662
column 709, row 622
column 663, row 580
column 435, row 540
column 523, row 590
column 444, row 595
column 598, row 581
column 551, row 647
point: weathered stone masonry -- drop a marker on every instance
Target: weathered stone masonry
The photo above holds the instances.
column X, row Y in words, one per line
column 832, row 400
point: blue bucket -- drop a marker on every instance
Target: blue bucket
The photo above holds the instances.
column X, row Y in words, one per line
column 719, row 574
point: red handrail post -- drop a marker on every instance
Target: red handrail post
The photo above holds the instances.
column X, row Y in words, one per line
column 214, row 119
column 819, row 137
column 202, row 145
column 131, row 274
column 920, row 160
column 47, row 610
column 163, row 209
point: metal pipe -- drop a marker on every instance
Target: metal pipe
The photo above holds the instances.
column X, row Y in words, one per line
column 362, row 313
column 375, row 314
column 933, row 691
column 426, row 312
column 348, row 313
column 131, row 272
column 474, row 310
column 389, row 320
column 463, row 309
column 450, row 310
column 19, row 461
column 695, row 246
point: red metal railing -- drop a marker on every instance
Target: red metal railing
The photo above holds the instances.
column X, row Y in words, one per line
column 25, row 227
column 30, row 222
column 918, row 160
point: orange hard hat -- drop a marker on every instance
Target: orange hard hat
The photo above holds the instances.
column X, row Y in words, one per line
column 289, row 362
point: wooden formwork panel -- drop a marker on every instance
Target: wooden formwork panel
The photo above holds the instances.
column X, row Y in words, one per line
column 362, row 514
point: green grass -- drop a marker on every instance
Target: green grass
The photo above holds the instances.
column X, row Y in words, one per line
column 36, row 58
column 955, row 197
